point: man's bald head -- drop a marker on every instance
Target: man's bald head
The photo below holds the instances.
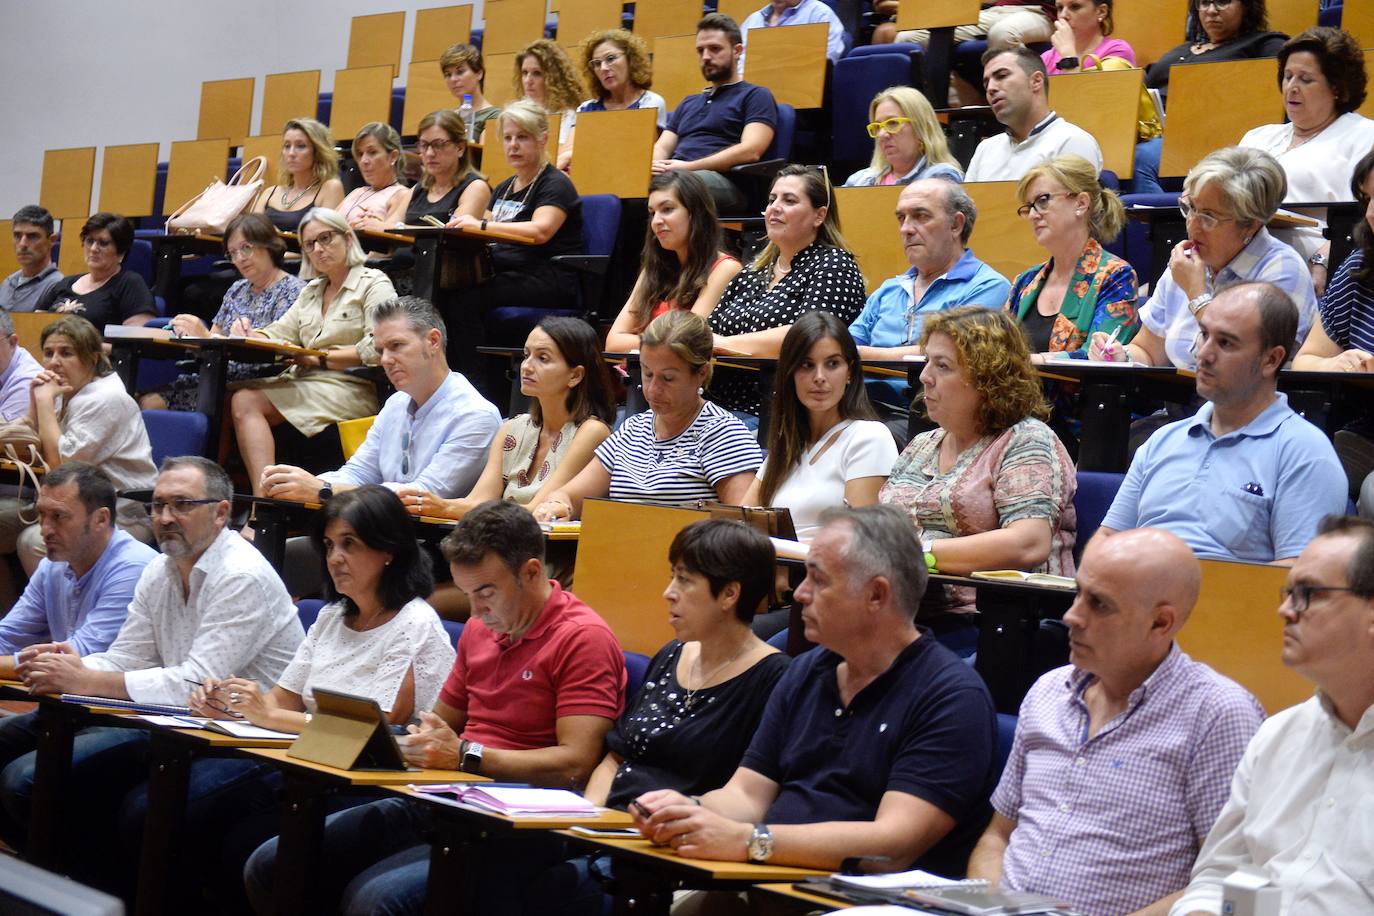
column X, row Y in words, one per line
column 1152, row 566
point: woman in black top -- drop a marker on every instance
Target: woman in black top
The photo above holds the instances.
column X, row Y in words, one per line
column 307, row 175
column 106, row 293
column 451, row 187
column 806, row 265
column 1218, row 30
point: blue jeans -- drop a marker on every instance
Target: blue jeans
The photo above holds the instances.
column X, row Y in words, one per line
column 1146, row 179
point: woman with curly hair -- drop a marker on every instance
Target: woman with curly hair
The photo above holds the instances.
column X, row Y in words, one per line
column 617, row 69
column 545, row 74
column 992, row 487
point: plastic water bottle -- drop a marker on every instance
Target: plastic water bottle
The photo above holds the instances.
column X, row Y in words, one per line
column 468, row 115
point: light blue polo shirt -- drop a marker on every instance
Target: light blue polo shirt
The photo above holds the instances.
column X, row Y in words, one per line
column 888, row 319
column 1255, row 494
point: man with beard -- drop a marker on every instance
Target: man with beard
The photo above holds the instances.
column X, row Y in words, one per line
column 728, row 123
column 1246, row 478
column 81, row 590
column 210, row 607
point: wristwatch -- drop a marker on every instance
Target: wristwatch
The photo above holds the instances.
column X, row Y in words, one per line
column 326, row 493
column 761, row 844
column 1068, row 63
column 1198, row 303
column 472, row 758
column 1317, row 260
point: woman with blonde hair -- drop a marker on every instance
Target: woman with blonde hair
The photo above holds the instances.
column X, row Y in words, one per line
column 545, row 74
column 381, row 201
column 449, row 187
column 908, row 142
column 1082, row 289
column 308, row 163
column 617, row 68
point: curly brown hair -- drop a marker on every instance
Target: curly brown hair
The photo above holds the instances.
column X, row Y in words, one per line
column 1340, row 58
column 562, row 89
column 996, row 357
column 636, row 51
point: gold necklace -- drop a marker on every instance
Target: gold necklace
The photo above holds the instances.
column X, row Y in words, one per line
column 696, row 663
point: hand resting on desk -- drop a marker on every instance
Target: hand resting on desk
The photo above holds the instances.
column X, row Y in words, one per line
column 691, row 830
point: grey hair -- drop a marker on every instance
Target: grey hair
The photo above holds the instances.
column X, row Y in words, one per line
column 217, row 482
column 419, row 314
column 883, row 542
column 334, row 220
column 6, row 323
column 958, row 201
column 1252, row 181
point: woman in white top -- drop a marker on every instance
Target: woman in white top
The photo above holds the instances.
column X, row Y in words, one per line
column 618, row 69
column 381, row 202
column 826, row 447
column 1322, row 77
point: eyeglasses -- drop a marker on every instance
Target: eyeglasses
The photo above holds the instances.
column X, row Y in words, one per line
column 437, row 146
column 610, row 60
column 179, row 507
column 323, row 240
column 242, row 251
column 405, row 453
column 92, row 242
column 1214, row 4
column 1298, row 597
column 1041, row 204
column 888, row 126
column 1205, row 218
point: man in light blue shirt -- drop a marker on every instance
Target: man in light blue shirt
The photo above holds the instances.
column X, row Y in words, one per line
column 432, row 435
column 1246, row 478
column 936, row 220
column 798, row 12
column 17, row 369
column 33, row 241
column 81, row 590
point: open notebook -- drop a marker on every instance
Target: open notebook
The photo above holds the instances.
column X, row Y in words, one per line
column 512, row 801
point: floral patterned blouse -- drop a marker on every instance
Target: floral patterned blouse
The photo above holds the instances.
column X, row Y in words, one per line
column 517, row 455
column 1023, row 472
column 1101, row 298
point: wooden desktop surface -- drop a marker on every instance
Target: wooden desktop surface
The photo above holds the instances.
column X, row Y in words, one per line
column 364, row 777
column 701, row 868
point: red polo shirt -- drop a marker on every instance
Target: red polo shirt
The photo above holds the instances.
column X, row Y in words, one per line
column 568, row 663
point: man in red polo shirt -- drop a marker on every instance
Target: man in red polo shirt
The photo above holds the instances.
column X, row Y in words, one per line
column 538, row 681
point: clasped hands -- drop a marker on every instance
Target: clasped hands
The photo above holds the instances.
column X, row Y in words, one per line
column 51, row 668
column 669, row 818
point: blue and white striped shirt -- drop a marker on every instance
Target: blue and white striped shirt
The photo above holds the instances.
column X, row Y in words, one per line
column 1348, row 308
column 682, row 469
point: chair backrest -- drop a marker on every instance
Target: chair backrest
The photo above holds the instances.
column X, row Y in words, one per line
column 1197, row 125
column 375, row 41
column 665, row 18
column 872, row 232
column 579, row 18
column 1291, row 16
column 790, row 61
column 600, row 223
column 29, row 326
column 68, row 174
column 1092, row 499
column 192, row 166
column 636, row 667
column 934, row 14
column 128, row 179
column 308, row 610
column 286, row 96
column 437, row 28
column 631, row 134
column 8, row 262
column 1105, row 104
column 783, row 133
column 677, row 72
column 1151, row 26
column 226, row 110
column 176, row 432
column 1002, row 239
column 425, row 92
column 454, row 629
column 509, row 25
column 361, row 95
column 779, row 640
column 1006, row 733
column 352, row 433
column 857, row 80
column 1358, row 19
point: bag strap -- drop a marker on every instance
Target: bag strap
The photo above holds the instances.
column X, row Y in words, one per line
column 259, row 164
column 27, row 474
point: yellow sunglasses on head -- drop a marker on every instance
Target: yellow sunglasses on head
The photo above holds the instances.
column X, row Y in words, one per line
column 890, row 126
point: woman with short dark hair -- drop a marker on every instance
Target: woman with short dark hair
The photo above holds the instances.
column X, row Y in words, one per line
column 106, row 293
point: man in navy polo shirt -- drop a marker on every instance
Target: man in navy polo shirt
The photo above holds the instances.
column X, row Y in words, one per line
column 879, row 744
column 728, row 123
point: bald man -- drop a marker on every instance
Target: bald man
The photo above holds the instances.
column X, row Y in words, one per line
column 1122, row 759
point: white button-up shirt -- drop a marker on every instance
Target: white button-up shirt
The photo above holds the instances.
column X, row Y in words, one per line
column 236, row 618
column 1301, row 811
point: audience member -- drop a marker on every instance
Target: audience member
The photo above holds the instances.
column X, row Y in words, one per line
column 32, row 227
column 263, row 295
column 1228, row 198
column 81, row 412
column 908, row 758
column 1082, row 289
column 333, row 314
column 1298, row 814
column 308, row 163
column 992, row 486
column 798, row 12
column 683, row 449
column 380, row 202
column 618, row 69
column 536, row 453
column 806, row 266
column 538, row 682
column 908, row 142
column 1004, row 23
column 728, row 123
column 682, row 264
column 81, row 590
column 1018, row 91
column 826, row 447
column 1130, row 693
column 1247, row 478
column 545, row 75
column 106, row 293
column 209, row 606
column 17, row 370
column 450, row 187
column 1081, row 38
column 464, row 74
column 1322, row 78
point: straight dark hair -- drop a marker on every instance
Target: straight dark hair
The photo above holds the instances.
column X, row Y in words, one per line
column 726, row 551
column 666, row 278
column 1363, row 235
column 257, row 229
column 577, row 342
column 1254, row 18
column 790, row 435
column 496, row 526
column 93, row 486
column 382, row 523
column 1360, row 571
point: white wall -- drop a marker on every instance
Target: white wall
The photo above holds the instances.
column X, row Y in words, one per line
column 89, row 73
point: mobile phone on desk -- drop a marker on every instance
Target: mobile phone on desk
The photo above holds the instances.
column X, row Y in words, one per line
column 608, row 833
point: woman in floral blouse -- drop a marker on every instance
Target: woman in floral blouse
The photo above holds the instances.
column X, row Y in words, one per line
column 1082, row 288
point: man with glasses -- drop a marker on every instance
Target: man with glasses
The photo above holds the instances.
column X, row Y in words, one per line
column 1301, row 811
column 211, row 606
column 1132, row 721
column 33, row 241
column 1018, row 90
column 1246, row 478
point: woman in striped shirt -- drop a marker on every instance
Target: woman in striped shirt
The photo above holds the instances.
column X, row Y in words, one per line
column 683, row 448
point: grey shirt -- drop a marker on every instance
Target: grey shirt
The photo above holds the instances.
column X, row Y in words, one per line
column 20, row 294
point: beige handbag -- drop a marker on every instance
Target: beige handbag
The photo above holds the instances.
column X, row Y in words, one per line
column 211, row 210
column 19, row 443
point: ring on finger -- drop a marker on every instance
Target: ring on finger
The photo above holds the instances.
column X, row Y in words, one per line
column 233, row 697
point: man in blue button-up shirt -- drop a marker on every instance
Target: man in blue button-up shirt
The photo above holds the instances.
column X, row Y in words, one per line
column 798, row 12
column 81, row 590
